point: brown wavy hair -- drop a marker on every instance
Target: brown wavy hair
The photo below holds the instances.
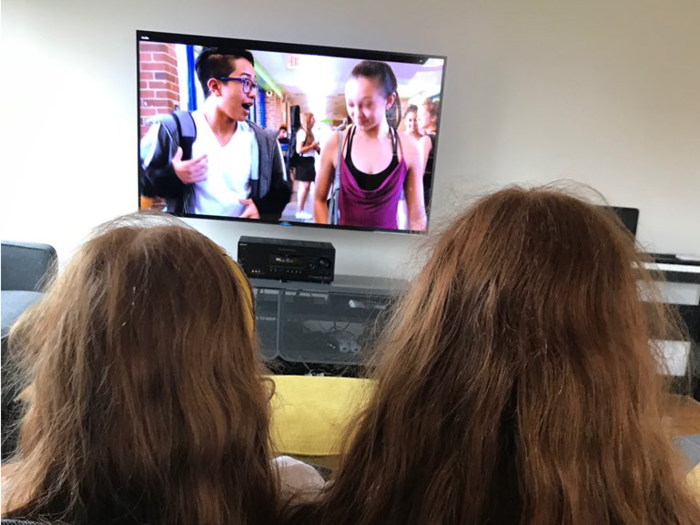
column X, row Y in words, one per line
column 146, row 399
column 516, row 383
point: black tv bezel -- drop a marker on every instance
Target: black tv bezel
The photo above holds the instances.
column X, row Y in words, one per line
column 311, row 49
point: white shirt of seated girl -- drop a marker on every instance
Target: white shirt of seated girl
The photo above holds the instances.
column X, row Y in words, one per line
column 298, row 479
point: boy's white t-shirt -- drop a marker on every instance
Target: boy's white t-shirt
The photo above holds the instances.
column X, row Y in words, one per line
column 228, row 173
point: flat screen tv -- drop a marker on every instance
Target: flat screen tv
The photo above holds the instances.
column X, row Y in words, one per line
column 290, row 134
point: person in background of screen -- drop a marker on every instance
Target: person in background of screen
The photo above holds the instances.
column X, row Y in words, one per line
column 427, row 118
column 411, row 125
column 307, row 148
column 410, row 119
column 377, row 161
column 516, row 383
column 236, row 168
column 283, row 139
column 146, row 400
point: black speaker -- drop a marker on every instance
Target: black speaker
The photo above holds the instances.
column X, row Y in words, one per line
column 295, row 117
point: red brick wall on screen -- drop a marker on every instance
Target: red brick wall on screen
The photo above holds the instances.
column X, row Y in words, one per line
column 274, row 111
column 159, row 89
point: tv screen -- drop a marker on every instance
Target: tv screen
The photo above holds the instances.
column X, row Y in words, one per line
column 290, row 134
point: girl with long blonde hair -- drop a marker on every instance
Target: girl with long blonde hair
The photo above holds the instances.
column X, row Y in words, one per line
column 307, row 148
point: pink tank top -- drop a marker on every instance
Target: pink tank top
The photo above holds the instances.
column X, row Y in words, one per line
column 375, row 208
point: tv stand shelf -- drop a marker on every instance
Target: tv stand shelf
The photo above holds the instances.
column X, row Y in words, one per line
column 316, row 328
column 681, row 287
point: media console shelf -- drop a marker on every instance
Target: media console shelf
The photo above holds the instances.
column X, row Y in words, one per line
column 680, row 287
column 315, row 328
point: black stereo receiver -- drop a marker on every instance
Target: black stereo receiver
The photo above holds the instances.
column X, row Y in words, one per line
column 286, row 260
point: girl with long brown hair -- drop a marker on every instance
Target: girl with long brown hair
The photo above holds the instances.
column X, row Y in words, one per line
column 517, row 383
column 146, row 401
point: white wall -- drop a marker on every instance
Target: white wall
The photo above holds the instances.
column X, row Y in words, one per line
column 606, row 92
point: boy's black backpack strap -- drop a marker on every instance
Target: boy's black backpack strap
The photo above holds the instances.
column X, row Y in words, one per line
column 188, row 132
column 181, row 126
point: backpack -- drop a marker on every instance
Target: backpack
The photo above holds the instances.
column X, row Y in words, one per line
column 292, row 155
column 181, row 126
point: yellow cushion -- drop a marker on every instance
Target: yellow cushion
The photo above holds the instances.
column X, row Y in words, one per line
column 694, row 481
column 310, row 413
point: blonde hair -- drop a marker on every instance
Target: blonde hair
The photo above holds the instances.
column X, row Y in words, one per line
column 306, row 126
column 148, row 403
column 516, row 383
